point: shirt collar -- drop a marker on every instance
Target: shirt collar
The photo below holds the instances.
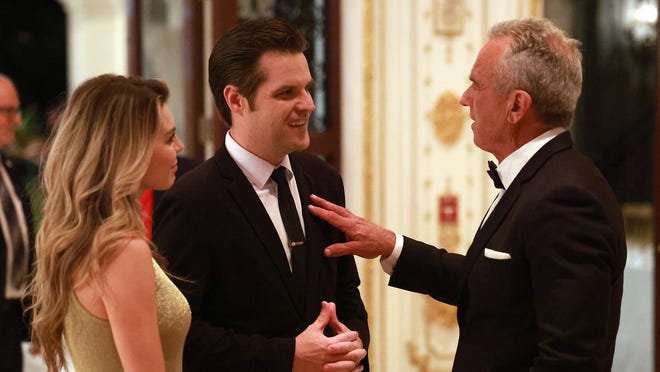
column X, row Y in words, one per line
column 512, row 164
column 256, row 169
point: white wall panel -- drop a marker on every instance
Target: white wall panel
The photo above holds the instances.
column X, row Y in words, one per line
column 96, row 38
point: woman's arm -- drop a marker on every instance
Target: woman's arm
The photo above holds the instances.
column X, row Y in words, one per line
column 130, row 302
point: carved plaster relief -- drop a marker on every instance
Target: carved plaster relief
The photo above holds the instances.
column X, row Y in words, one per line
column 449, row 17
column 448, row 118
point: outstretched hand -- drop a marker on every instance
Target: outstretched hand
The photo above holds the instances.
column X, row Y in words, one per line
column 316, row 352
column 365, row 239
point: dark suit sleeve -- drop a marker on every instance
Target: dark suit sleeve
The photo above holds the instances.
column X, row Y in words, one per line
column 425, row 269
column 571, row 243
column 185, row 238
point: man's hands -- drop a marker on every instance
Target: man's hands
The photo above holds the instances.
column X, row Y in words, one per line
column 365, row 239
column 343, row 352
column 316, row 352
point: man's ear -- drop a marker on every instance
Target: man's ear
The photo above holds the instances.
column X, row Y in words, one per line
column 519, row 104
column 235, row 100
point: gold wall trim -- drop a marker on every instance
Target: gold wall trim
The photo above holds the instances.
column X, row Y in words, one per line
column 367, row 99
column 447, row 118
column 368, row 74
column 536, row 8
column 382, row 183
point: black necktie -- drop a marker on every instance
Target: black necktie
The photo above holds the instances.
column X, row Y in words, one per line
column 14, row 231
column 294, row 232
column 492, row 172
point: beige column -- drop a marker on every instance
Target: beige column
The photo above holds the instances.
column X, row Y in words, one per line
column 96, row 38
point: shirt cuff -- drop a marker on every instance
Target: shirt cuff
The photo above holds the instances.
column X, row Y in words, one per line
column 388, row 263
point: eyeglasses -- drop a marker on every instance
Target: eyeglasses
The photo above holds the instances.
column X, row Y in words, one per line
column 10, row 111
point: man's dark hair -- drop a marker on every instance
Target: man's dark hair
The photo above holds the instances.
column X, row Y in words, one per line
column 235, row 57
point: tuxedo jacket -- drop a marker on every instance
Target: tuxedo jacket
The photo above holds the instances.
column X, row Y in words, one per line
column 218, row 237
column 554, row 305
column 13, row 323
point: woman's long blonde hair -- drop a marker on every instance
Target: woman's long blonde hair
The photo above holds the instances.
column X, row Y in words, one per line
column 99, row 152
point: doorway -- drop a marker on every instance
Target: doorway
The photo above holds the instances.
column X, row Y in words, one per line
column 615, row 125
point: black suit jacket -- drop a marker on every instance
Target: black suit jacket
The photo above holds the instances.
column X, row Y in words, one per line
column 555, row 305
column 13, row 323
column 216, row 233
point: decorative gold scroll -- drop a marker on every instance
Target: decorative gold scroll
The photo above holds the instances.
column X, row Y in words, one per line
column 449, row 17
column 448, row 118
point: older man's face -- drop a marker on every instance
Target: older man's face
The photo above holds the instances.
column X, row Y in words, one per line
column 10, row 115
column 488, row 108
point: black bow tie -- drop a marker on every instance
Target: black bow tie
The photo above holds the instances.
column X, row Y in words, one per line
column 492, row 172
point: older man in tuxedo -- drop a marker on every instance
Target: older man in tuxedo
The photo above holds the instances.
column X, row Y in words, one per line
column 540, row 286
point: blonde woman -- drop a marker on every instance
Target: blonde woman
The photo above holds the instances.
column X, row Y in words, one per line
column 96, row 281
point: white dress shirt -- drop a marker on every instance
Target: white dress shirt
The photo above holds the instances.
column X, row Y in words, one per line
column 508, row 169
column 258, row 171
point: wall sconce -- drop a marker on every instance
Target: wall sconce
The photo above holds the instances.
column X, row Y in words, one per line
column 640, row 21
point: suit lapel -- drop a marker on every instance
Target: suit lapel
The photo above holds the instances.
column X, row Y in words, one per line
column 312, row 233
column 19, row 178
column 254, row 212
column 15, row 174
column 242, row 191
column 490, row 226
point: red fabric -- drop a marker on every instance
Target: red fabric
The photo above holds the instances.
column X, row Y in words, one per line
column 147, row 201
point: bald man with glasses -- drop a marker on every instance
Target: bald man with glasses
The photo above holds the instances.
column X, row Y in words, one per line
column 18, row 180
column 10, row 111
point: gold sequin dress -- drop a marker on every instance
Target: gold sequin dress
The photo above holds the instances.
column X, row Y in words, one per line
column 89, row 338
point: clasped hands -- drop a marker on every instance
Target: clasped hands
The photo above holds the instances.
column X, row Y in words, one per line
column 343, row 352
column 316, row 352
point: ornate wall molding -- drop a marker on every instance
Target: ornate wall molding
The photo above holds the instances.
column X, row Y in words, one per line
column 447, row 118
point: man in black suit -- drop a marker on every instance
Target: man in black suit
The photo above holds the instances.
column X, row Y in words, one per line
column 18, row 178
column 263, row 295
column 540, row 286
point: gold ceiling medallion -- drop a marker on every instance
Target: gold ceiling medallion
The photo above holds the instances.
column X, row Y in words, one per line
column 449, row 17
column 448, row 118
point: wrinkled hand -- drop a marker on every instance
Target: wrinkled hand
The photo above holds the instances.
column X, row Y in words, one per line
column 316, row 352
column 365, row 239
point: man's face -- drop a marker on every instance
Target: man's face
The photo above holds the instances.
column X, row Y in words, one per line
column 278, row 116
column 10, row 116
column 488, row 108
